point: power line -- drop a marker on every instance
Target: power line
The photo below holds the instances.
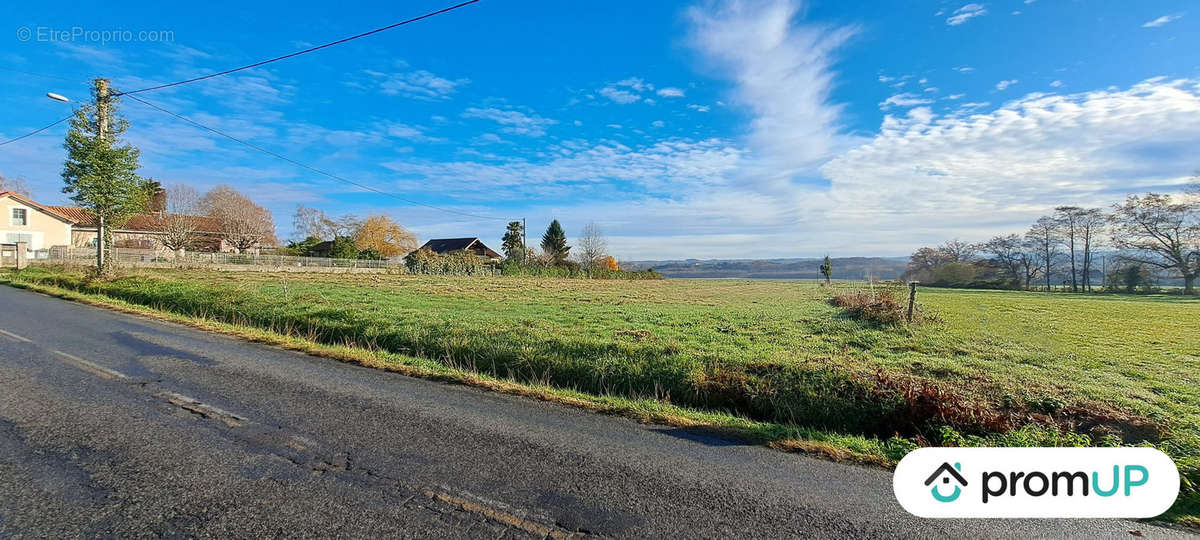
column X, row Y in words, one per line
column 309, row 167
column 305, row 51
column 36, row 131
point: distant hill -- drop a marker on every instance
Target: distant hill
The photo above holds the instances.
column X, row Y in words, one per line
column 843, row 268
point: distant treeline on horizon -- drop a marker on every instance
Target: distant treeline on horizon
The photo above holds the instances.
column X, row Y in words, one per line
column 844, row 268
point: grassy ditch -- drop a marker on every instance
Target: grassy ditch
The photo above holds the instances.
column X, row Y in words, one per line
column 772, row 359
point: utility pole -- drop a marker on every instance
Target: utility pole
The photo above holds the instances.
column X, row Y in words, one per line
column 102, row 120
column 524, row 244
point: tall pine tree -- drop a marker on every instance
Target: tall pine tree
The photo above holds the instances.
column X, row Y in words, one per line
column 554, row 243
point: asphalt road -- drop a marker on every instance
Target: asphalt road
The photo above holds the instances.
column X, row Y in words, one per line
column 114, row 425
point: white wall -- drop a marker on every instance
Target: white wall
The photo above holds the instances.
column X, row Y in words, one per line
column 44, row 230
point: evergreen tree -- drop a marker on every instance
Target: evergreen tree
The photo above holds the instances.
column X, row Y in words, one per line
column 343, row 248
column 514, row 242
column 101, row 173
column 827, row 269
column 554, row 243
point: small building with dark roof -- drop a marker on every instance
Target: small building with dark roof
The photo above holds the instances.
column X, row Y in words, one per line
column 442, row 246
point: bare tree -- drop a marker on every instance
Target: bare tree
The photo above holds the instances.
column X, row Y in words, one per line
column 1091, row 229
column 314, row 222
column 244, row 225
column 308, row 222
column 1044, row 240
column 1161, row 231
column 593, row 247
column 16, row 185
column 958, row 251
column 1031, row 263
column 180, row 222
column 1007, row 254
column 1067, row 218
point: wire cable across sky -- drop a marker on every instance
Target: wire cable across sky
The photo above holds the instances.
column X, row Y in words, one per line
column 309, row 167
column 298, row 53
column 36, row 131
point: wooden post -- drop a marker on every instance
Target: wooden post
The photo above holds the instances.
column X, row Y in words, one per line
column 912, row 298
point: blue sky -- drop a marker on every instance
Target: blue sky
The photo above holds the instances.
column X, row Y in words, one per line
column 767, row 128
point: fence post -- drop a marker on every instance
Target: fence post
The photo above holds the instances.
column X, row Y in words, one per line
column 21, row 255
column 912, row 298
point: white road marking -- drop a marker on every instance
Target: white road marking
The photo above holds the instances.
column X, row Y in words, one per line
column 16, row 337
column 92, row 367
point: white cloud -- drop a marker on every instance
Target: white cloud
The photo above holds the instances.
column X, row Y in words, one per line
column 637, row 84
column 906, row 99
column 1005, row 84
column 885, row 79
column 514, row 121
column 630, row 90
column 955, row 96
column 964, row 69
column 419, row 84
column 699, row 108
column 658, row 123
column 1160, row 21
column 491, row 138
column 670, row 167
column 935, row 176
column 670, row 92
column 106, row 56
column 966, row 13
column 1056, row 84
column 781, row 70
column 618, row 95
column 410, row 132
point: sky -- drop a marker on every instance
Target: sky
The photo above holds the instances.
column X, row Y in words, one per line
column 711, row 129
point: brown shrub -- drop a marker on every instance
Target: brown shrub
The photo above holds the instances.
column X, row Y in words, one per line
column 879, row 307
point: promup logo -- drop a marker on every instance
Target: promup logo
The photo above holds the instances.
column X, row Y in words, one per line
column 946, row 473
column 1036, row 482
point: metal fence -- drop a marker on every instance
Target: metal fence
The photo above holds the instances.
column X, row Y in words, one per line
column 165, row 259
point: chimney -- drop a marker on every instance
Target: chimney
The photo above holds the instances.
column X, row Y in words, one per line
column 158, row 202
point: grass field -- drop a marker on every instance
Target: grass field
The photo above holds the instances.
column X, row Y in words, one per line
column 987, row 368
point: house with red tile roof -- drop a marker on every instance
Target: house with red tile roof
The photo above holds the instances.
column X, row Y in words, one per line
column 44, row 227
column 23, row 220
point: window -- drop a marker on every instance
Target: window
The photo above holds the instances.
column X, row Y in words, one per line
column 19, row 217
column 14, row 238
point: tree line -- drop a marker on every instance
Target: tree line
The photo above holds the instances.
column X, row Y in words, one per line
column 349, row 236
column 552, row 257
column 1149, row 236
column 592, row 253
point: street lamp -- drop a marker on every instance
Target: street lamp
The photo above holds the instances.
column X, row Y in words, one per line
column 102, row 120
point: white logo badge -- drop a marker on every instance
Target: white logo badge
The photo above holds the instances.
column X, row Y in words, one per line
column 1036, row 482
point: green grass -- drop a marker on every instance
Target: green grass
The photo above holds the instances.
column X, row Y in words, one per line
column 988, row 368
